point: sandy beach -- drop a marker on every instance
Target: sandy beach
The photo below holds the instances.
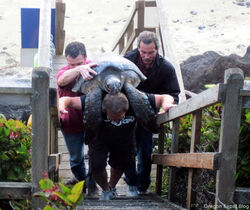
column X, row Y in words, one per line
column 195, row 27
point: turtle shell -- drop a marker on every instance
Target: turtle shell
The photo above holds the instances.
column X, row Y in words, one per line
column 112, row 72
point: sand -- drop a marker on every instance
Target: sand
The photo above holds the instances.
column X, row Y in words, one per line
column 194, row 26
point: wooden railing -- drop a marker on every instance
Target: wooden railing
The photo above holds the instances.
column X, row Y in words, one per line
column 233, row 98
column 134, row 25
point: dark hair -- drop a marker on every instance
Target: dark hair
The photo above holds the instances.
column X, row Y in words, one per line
column 147, row 37
column 74, row 49
column 115, row 103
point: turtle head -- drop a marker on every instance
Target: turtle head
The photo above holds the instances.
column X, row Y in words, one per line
column 113, row 84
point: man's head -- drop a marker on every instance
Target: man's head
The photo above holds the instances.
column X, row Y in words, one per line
column 115, row 106
column 148, row 46
column 76, row 54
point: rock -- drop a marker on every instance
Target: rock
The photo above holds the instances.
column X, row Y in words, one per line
column 209, row 68
column 201, row 27
column 15, row 112
column 196, row 65
column 193, row 12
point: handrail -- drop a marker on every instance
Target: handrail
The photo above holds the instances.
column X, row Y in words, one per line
column 233, row 96
column 129, row 33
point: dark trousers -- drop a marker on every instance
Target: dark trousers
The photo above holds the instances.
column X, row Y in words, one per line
column 141, row 176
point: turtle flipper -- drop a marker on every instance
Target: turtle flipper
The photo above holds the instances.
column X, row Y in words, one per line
column 77, row 86
column 92, row 114
column 145, row 114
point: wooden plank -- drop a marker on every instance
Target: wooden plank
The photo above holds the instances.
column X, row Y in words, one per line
column 245, row 102
column 130, row 42
column 205, row 160
column 174, row 149
column 245, row 93
column 242, row 196
column 54, row 162
column 60, row 33
column 195, row 139
column 15, row 190
column 40, row 128
column 124, row 30
column 129, row 33
column 150, row 4
column 16, row 90
column 159, row 169
column 204, row 99
column 229, row 137
column 15, row 96
column 140, row 15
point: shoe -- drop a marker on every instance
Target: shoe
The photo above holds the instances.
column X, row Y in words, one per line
column 93, row 191
column 71, row 181
column 132, row 191
column 106, row 195
column 114, row 192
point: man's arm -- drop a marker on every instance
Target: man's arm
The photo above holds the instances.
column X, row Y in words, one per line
column 164, row 101
column 69, row 75
column 73, row 102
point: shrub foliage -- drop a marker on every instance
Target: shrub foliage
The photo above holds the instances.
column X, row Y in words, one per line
column 15, row 152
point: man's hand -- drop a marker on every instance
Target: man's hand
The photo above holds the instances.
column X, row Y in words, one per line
column 165, row 102
column 63, row 105
column 72, row 102
column 86, row 71
column 165, row 108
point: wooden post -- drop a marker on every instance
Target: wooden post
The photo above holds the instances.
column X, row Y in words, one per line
column 140, row 15
column 162, row 137
column 60, row 32
column 174, row 149
column 195, row 139
column 229, row 138
column 40, row 129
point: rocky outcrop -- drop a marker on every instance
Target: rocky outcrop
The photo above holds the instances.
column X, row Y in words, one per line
column 209, row 68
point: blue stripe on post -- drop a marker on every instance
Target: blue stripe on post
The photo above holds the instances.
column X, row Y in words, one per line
column 30, row 27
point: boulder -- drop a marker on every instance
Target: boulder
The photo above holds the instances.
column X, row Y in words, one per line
column 209, row 68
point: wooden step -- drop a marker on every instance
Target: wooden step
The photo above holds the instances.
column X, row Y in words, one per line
column 146, row 202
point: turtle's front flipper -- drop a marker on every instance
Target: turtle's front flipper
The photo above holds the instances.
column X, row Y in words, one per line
column 142, row 108
column 77, row 86
column 92, row 114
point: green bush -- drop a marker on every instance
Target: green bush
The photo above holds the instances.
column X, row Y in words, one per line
column 15, row 152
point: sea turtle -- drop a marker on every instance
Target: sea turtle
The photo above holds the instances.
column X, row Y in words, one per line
column 115, row 74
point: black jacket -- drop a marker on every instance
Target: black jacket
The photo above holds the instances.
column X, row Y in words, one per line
column 162, row 78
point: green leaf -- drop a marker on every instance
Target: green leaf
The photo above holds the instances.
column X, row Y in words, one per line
column 48, row 207
column 76, row 191
column 46, row 183
column 11, row 176
column 64, row 188
column 63, row 197
column 77, row 188
column 248, row 117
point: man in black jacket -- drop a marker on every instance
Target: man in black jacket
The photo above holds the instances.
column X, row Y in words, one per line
column 161, row 79
column 114, row 141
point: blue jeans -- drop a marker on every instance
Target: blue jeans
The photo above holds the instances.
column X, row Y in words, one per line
column 141, row 176
column 75, row 146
